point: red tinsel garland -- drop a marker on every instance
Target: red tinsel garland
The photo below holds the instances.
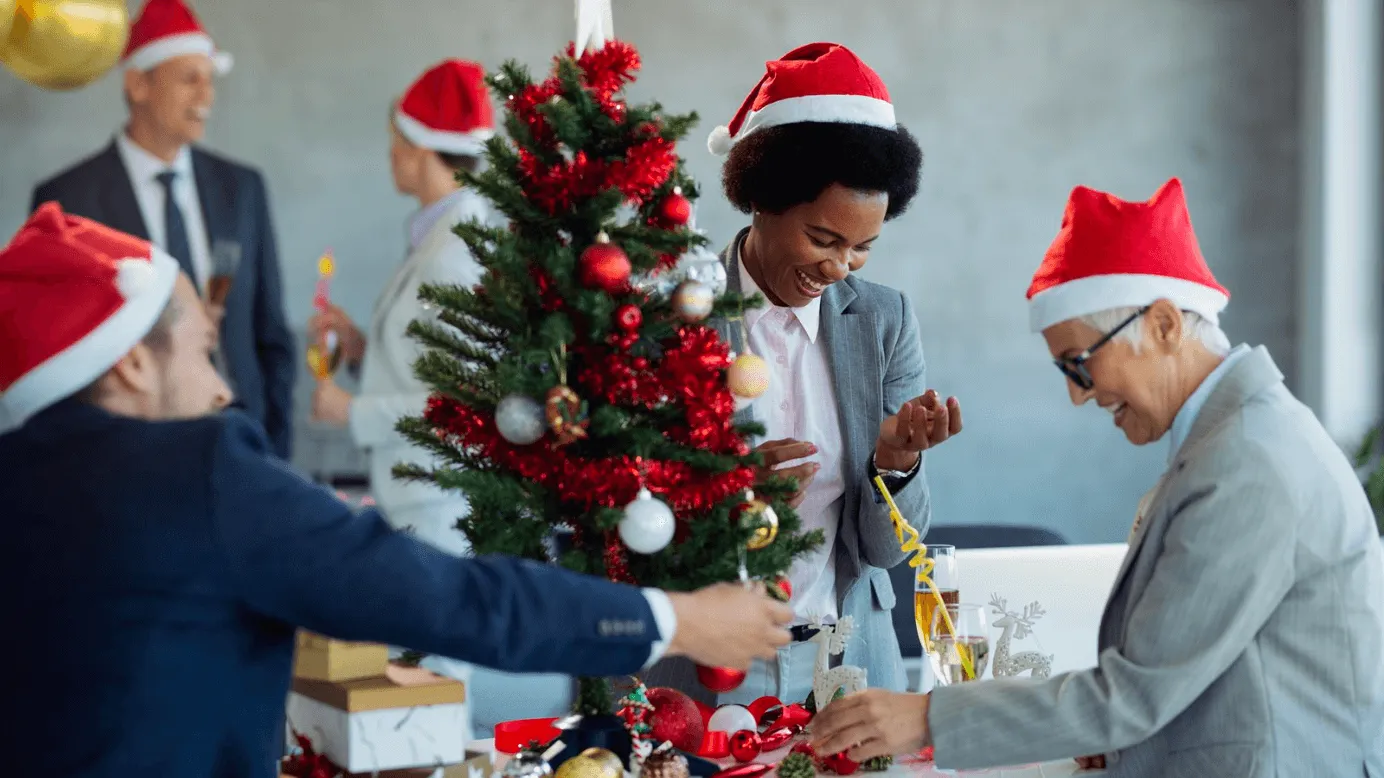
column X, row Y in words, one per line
column 554, row 188
column 309, row 764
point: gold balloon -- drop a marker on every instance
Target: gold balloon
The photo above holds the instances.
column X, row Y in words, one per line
column 592, row 763
column 759, row 515
column 64, row 44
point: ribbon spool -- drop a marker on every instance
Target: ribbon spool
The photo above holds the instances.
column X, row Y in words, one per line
column 911, row 545
column 62, row 44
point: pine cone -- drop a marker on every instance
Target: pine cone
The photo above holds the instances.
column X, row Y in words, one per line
column 810, row 704
column 877, row 764
column 797, row 765
column 665, row 764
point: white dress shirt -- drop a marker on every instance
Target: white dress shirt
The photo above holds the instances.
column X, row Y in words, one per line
column 144, row 169
column 801, row 404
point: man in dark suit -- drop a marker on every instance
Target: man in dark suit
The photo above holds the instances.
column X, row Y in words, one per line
column 209, row 213
column 160, row 558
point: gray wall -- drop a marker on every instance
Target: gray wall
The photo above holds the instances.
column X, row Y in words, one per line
column 1014, row 101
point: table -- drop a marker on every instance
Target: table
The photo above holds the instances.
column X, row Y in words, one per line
column 900, row 769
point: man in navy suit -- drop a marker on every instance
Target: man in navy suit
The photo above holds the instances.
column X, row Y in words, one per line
column 210, row 214
column 158, row 558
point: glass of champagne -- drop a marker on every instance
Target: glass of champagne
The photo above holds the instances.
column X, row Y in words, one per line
column 961, row 648
column 943, row 560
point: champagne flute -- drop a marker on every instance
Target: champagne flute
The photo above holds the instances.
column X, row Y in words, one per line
column 943, row 575
column 961, row 643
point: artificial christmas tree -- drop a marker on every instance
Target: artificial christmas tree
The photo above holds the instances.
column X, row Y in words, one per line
column 580, row 391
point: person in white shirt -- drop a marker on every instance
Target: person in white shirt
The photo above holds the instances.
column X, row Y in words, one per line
column 817, row 159
column 209, row 213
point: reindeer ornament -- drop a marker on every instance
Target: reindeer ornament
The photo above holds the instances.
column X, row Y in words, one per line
column 826, row 680
column 1018, row 625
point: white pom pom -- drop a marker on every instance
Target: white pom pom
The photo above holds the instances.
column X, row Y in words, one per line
column 719, row 142
column 222, row 61
column 133, row 277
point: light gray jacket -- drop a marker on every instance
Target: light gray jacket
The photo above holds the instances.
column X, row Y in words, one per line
column 876, row 359
column 1245, row 631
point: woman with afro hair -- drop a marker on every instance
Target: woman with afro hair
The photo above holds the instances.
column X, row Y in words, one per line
column 817, row 161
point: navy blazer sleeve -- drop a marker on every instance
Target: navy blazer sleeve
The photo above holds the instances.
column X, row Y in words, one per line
column 273, row 340
column 298, row 554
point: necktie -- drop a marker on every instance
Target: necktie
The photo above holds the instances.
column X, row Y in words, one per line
column 175, row 229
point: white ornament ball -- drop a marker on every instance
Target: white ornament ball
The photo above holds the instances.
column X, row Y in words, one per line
column 648, row 524
column 519, row 418
column 732, row 718
column 692, row 301
column 748, row 376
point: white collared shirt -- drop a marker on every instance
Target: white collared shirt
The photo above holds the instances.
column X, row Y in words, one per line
column 144, row 169
column 801, row 404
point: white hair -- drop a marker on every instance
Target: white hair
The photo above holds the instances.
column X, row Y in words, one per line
column 1194, row 326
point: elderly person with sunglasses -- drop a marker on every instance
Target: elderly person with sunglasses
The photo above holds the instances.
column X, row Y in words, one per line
column 1244, row 631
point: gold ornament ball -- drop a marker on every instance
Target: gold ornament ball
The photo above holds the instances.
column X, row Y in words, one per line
column 761, row 516
column 692, row 301
column 592, row 763
column 64, row 44
column 748, row 376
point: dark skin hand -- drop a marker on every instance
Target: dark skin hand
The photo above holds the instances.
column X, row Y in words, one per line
column 776, row 452
column 1091, row 762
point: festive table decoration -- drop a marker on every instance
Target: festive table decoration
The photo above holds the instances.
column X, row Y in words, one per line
column 528, row 763
column 745, row 745
column 877, row 764
column 592, row 763
column 1018, row 626
column 797, row 765
column 748, row 770
column 636, row 711
column 731, row 719
column 676, row 719
column 665, row 762
column 827, row 681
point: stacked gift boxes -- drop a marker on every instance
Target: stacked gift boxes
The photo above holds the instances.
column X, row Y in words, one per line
column 369, row 716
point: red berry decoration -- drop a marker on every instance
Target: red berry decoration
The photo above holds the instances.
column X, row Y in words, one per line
column 720, row 679
column 629, row 317
column 676, row 719
column 840, row 764
column 605, row 266
column 745, row 745
column 803, row 747
column 675, row 210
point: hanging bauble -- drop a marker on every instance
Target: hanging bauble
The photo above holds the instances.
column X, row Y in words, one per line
column 528, row 763
column 692, row 301
column 784, row 586
column 629, row 317
column 675, row 210
column 745, row 745
column 563, row 411
column 707, row 269
column 605, row 266
column 731, row 718
column 519, row 419
column 648, row 524
column 748, row 376
column 761, row 516
column 720, row 679
column 63, row 44
column 592, row 763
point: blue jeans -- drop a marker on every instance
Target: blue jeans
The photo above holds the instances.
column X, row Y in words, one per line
column 788, row 677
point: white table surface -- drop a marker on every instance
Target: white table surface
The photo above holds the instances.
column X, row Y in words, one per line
column 911, row 768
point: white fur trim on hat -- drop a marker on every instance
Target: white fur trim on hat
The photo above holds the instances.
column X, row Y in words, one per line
column 846, row 109
column 74, row 368
column 468, row 143
column 157, row 52
column 1094, row 294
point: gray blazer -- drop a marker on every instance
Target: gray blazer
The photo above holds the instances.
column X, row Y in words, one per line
column 876, row 359
column 1244, row 635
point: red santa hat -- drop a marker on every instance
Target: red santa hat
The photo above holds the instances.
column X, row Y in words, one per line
column 1111, row 253
column 75, row 297
column 819, row 82
column 448, row 109
column 166, row 29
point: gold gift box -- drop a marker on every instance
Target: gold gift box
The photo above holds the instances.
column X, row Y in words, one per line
column 321, row 658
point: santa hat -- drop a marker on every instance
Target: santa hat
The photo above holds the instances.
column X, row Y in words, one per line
column 1111, row 253
column 166, row 29
column 819, row 82
column 75, row 297
column 448, row 109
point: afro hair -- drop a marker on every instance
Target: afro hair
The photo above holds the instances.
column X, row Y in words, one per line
column 776, row 168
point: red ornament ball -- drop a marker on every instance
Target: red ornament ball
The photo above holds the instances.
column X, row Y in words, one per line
column 629, row 317
column 640, row 363
column 803, row 747
column 786, row 586
column 840, row 764
column 745, row 745
column 675, row 210
column 605, row 266
column 676, row 719
column 720, row 679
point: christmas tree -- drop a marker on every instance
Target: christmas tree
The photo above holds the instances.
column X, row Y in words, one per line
column 580, row 390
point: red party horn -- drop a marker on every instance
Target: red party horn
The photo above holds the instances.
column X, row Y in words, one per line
column 776, row 738
column 750, row 770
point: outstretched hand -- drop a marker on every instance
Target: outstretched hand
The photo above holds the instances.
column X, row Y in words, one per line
column 920, row 424
column 872, row 723
column 729, row 625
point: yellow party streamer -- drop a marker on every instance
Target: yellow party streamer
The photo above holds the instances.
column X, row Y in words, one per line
column 910, row 545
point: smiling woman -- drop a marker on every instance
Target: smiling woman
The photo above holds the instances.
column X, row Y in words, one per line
column 817, row 159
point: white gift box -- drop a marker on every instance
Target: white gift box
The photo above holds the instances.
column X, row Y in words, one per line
column 372, row 724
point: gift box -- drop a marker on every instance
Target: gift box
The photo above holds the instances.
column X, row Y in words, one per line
column 319, row 658
column 405, row 718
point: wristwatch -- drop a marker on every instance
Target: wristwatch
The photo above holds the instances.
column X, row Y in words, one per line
column 896, row 475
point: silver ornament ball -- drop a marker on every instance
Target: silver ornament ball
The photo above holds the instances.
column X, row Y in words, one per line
column 527, row 764
column 648, row 525
column 519, row 419
column 692, row 301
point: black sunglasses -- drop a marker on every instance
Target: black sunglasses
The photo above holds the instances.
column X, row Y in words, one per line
column 1074, row 368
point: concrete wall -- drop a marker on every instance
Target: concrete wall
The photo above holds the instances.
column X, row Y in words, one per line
column 1014, row 101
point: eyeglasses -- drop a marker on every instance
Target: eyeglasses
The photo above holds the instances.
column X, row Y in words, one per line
column 1074, row 368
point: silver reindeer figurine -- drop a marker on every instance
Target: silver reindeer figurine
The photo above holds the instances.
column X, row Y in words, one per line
column 1018, row 625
